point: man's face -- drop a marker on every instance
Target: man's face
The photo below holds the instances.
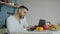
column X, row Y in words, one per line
column 22, row 12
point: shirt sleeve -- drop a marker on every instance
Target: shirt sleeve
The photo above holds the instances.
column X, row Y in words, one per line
column 25, row 23
column 10, row 26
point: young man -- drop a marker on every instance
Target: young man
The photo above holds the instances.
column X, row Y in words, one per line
column 17, row 22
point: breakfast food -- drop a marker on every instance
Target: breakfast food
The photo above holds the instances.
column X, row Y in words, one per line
column 39, row 28
column 52, row 27
column 45, row 27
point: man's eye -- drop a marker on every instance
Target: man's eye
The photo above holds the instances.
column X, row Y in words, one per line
column 24, row 12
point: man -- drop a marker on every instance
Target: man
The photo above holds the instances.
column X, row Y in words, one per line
column 17, row 22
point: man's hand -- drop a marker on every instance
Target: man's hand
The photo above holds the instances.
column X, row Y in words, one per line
column 29, row 28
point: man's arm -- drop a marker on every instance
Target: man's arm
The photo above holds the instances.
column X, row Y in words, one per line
column 10, row 25
column 28, row 27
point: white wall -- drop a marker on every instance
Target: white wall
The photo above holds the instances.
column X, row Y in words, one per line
column 42, row 9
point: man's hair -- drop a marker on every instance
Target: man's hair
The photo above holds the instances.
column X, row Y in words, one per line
column 23, row 7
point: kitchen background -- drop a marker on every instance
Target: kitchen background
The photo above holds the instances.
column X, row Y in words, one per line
column 38, row 9
column 42, row 9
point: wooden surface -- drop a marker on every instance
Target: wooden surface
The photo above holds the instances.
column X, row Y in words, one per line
column 8, row 4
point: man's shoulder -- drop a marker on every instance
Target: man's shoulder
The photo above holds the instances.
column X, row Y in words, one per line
column 10, row 17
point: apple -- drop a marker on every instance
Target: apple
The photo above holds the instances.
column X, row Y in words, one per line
column 45, row 27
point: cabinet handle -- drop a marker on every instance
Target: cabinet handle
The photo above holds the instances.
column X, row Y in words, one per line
column 10, row 13
column 0, row 8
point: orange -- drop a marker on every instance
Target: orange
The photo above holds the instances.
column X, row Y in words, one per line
column 39, row 28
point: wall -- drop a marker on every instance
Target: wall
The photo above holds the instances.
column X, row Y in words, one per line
column 42, row 9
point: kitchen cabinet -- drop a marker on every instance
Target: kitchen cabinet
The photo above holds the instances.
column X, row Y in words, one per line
column 5, row 11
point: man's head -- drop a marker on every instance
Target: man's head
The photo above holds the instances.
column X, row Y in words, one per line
column 22, row 10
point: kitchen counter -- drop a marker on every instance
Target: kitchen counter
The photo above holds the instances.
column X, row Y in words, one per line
column 55, row 32
column 41, row 32
column 32, row 32
column 35, row 32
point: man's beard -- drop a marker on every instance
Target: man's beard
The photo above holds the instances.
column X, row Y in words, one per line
column 21, row 16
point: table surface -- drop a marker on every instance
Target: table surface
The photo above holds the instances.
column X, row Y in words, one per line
column 40, row 32
column 34, row 32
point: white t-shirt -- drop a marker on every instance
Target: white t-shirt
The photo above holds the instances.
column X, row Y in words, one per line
column 13, row 25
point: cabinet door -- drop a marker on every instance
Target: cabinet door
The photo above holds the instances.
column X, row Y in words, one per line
column 6, row 11
column 3, row 15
